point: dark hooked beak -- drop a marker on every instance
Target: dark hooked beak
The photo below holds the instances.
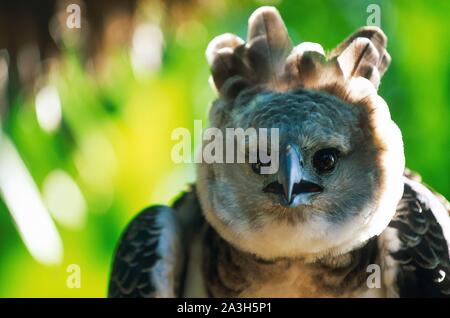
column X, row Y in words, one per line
column 291, row 181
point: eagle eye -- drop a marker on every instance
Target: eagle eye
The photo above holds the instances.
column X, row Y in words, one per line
column 325, row 160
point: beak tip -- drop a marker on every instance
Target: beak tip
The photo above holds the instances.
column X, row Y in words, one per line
column 288, row 199
column 288, row 196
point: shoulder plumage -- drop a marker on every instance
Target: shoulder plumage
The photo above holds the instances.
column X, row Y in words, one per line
column 143, row 265
column 151, row 255
column 423, row 230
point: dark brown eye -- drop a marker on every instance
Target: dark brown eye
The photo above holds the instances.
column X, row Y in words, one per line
column 256, row 167
column 325, row 160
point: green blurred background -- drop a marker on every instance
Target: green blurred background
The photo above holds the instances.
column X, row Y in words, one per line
column 92, row 123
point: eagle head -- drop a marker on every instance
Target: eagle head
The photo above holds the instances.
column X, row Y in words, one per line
column 339, row 156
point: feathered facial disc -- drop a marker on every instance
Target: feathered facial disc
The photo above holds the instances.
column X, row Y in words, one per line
column 340, row 155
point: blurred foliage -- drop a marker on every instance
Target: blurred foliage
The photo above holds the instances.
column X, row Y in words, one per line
column 115, row 135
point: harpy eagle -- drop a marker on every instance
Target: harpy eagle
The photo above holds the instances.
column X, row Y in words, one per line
column 340, row 203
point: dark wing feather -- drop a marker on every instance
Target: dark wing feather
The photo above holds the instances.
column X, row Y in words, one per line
column 422, row 223
column 139, row 254
column 151, row 255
